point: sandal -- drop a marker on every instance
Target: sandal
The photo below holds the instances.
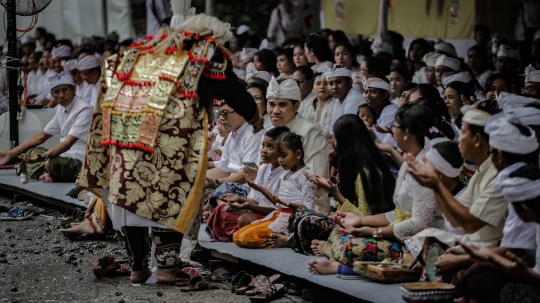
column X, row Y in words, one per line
column 236, row 280
column 114, row 270
column 181, row 278
column 272, row 292
column 243, row 284
column 198, row 284
column 15, row 214
column 263, row 282
column 220, row 275
column 193, row 272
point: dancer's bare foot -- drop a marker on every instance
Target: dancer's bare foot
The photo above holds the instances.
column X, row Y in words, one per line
column 316, row 247
column 322, row 267
column 140, row 276
column 279, row 240
column 46, row 178
column 83, row 228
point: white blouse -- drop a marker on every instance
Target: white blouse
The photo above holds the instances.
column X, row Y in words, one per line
column 415, row 201
column 325, row 122
column 269, row 179
column 297, row 189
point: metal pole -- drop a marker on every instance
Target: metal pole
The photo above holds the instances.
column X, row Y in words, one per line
column 12, row 73
column 209, row 7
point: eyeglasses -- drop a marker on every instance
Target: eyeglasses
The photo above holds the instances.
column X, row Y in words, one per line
column 529, row 90
column 224, row 114
column 64, row 90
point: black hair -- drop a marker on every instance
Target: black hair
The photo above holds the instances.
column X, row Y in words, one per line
column 358, row 156
column 41, row 30
column 403, row 71
column 339, row 36
column 351, row 50
column 418, row 119
column 408, row 86
column 65, row 42
column 441, row 115
column 478, row 129
column 493, row 77
column 326, row 31
column 260, row 87
column 480, row 50
column 531, row 172
column 276, row 132
column 378, row 66
column 287, row 52
column 512, row 158
column 87, row 50
column 37, row 56
column 319, row 45
column 449, row 150
column 482, row 28
column 293, row 142
column 126, row 43
column 50, row 38
column 365, row 105
column 306, row 71
column 268, row 58
column 427, row 91
column 461, row 88
column 423, row 42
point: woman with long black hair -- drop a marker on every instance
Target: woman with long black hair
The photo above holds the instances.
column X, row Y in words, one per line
column 317, row 51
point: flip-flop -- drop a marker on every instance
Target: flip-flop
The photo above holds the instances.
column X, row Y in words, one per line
column 262, row 282
column 198, row 284
column 243, row 284
column 15, row 214
column 181, row 278
column 236, row 279
column 220, row 275
column 272, row 292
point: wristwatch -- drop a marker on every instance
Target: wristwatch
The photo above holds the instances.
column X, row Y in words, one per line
column 377, row 233
column 217, row 183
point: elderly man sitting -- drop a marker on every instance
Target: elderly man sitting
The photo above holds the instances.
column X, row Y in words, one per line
column 72, row 122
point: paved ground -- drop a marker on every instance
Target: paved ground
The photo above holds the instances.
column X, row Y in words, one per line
column 37, row 264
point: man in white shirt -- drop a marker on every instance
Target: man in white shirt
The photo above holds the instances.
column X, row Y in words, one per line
column 532, row 82
column 445, row 65
column 242, row 146
column 377, row 94
column 72, row 122
column 80, row 84
column 90, row 69
column 283, row 104
column 340, row 85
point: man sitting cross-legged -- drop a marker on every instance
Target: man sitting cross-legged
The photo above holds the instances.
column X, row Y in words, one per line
column 71, row 122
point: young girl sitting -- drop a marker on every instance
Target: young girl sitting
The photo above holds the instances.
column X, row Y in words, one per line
column 217, row 141
column 237, row 211
column 295, row 192
column 368, row 114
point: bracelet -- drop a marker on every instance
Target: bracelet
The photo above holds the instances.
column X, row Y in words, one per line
column 377, row 233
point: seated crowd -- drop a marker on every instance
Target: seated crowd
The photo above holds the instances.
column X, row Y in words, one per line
column 420, row 159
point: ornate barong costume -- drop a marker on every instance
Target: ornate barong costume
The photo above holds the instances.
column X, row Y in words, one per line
column 147, row 145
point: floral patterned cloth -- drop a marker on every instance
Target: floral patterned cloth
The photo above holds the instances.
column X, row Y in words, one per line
column 346, row 249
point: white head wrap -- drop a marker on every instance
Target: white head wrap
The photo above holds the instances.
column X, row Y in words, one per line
column 28, row 39
column 431, row 58
column 83, row 40
column 71, row 65
column 265, row 44
column 448, row 78
column 532, row 74
column 526, row 115
column 474, row 116
column 508, row 100
column 252, row 72
column 437, row 160
column 58, row 79
column 378, row 46
column 288, row 89
column 505, row 136
column 376, row 83
column 242, row 29
column 88, row 62
column 337, row 70
column 445, row 47
column 248, row 53
column 452, row 63
column 61, row 52
column 506, row 51
column 520, row 189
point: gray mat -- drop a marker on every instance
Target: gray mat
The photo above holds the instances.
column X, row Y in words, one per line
column 48, row 192
column 290, row 263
